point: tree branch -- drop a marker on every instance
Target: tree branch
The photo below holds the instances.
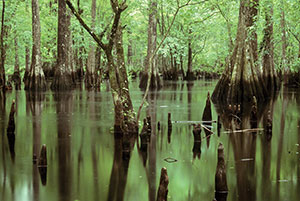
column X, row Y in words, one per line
column 295, row 35
column 87, row 28
column 200, row 49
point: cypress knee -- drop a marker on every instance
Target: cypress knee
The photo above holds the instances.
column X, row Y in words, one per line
column 269, row 123
column 11, row 122
column 144, row 142
column 43, row 164
column 169, row 127
column 162, row 194
column 197, row 133
column 169, row 122
column 220, row 178
column 253, row 115
column 144, row 134
column 219, row 126
column 149, row 125
column 197, row 141
column 207, row 117
column 43, row 157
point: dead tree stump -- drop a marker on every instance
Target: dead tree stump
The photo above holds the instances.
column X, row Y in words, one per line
column 11, row 130
column 43, row 157
column 11, row 122
column 219, row 126
column 162, row 193
column 169, row 127
column 220, row 178
column 207, row 117
column 197, row 132
column 43, row 164
column 269, row 125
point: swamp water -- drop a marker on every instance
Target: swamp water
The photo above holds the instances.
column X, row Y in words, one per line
column 85, row 161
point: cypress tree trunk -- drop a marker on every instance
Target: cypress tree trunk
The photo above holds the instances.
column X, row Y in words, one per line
column 2, row 69
column 36, row 78
column 189, row 74
column 71, row 56
column 129, row 50
column 269, row 73
column 98, row 63
column 91, row 77
column 27, row 64
column 125, row 120
column 152, row 36
column 62, row 73
column 16, row 75
column 242, row 79
column 80, row 61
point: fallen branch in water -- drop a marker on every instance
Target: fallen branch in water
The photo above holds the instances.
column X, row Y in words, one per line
column 245, row 130
column 205, row 127
column 193, row 122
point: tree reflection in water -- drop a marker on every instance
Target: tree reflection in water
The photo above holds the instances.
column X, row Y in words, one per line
column 118, row 178
column 34, row 102
column 237, row 119
column 63, row 111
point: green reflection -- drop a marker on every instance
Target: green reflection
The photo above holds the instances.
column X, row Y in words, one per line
column 85, row 158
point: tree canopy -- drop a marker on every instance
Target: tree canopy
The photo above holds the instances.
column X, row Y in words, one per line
column 210, row 25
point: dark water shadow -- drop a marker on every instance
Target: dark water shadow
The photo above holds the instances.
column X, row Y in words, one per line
column 3, row 142
column 34, row 104
column 298, row 162
column 64, row 105
column 122, row 152
column 147, row 146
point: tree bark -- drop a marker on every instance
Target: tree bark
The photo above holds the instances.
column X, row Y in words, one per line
column 125, row 121
column 162, row 193
column 91, row 77
column 16, row 75
column 242, row 79
column 152, row 36
column 62, row 75
column 129, row 50
column 189, row 74
column 269, row 73
column 36, row 78
column 3, row 52
column 27, row 63
column 299, row 50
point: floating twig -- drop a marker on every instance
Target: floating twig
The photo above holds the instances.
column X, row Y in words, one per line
column 245, row 130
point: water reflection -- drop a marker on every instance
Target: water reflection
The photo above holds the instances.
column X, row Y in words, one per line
column 118, row 178
column 207, row 120
column 93, row 117
column 241, row 122
column 64, row 110
column 89, row 162
column 34, row 104
column 3, row 144
column 11, row 131
column 197, row 141
column 298, row 142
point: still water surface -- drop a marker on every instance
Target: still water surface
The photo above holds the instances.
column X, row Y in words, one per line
column 85, row 162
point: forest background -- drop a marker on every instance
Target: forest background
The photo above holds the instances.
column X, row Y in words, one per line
column 201, row 37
